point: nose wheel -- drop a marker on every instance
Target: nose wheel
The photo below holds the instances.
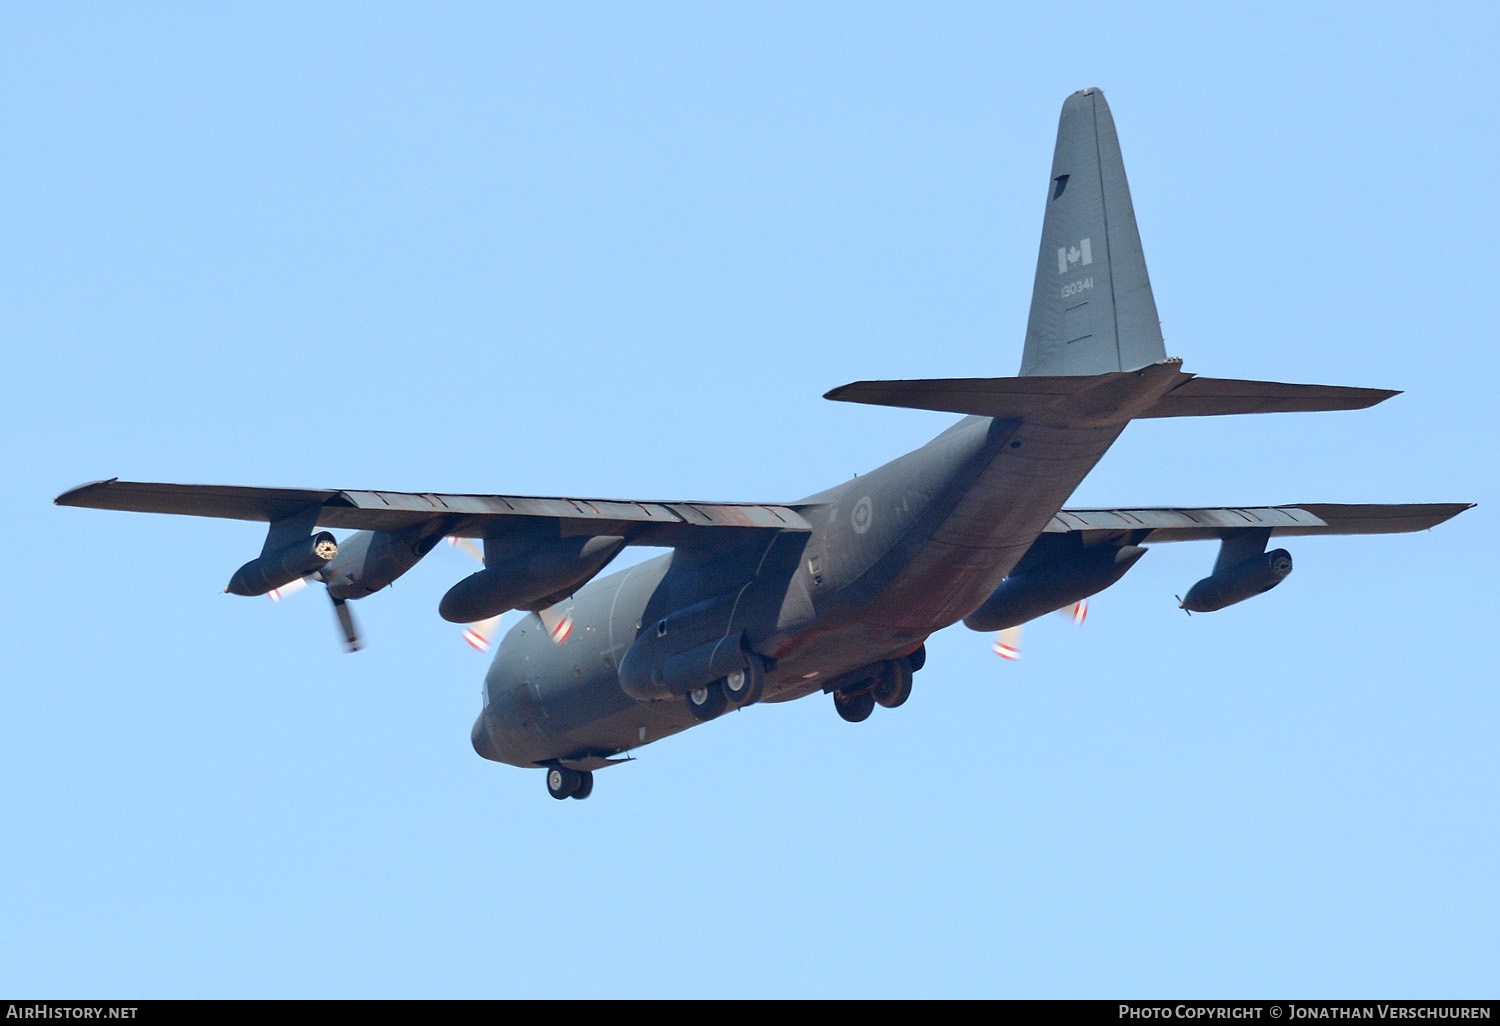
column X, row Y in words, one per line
column 565, row 783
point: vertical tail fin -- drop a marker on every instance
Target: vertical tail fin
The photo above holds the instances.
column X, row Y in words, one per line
column 1092, row 311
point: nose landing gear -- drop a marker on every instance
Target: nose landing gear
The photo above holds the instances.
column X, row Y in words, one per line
column 565, row 783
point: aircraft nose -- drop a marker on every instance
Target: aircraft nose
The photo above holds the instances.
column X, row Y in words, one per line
column 480, row 738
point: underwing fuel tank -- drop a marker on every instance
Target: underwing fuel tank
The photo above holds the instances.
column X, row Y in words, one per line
column 276, row 569
column 1234, row 584
column 1052, row 585
column 537, row 573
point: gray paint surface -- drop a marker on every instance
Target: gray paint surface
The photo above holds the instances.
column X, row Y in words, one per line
column 1092, row 310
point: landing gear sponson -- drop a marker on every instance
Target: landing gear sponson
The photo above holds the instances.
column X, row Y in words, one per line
column 741, row 688
column 855, row 696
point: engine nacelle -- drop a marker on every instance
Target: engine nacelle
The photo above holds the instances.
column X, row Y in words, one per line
column 276, row 569
column 547, row 570
column 370, row 560
column 1027, row 595
column 1243, row 580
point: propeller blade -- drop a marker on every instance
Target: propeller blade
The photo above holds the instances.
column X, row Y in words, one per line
column 479, row 634
column 286, row 590
column 467, row 547
column 558, row 621
column 352, row 640
column 1008, row 642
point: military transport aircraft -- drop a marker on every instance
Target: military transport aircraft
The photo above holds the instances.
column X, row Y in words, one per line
column 835, row 593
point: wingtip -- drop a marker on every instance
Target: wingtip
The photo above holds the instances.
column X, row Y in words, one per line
column 69, row 497
column 1371, row 397
column 1456, row 509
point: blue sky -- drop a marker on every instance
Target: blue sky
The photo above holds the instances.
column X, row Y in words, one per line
column 621, row 250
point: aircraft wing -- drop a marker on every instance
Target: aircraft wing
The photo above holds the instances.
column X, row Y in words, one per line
column 1162, row 525
column 468, row 516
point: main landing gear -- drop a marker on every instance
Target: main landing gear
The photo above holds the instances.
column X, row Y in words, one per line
column 886, row 684
column 565, row 783
column 741, row 688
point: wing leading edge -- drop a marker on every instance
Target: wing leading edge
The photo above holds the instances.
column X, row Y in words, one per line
column 1164, row 525
column 474, row 516
column 470, row 516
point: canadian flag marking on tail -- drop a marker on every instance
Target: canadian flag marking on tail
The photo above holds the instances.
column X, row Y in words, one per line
column 1070, row 258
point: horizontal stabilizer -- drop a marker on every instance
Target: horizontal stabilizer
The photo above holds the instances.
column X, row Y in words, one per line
column 1054, row 399
column 1213, row 397
column 1024, row 398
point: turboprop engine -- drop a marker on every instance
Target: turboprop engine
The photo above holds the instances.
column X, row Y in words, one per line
column 366, row 562
column 531, row 576
column 282, row 566
column 370, row 560
column 1052, row 584
column 1245, row 579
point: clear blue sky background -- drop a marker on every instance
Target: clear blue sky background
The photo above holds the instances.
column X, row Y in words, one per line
column 621, row 250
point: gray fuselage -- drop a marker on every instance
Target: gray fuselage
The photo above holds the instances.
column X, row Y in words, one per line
column 893, row 556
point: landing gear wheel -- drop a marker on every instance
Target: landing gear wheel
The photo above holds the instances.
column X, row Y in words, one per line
column 917, row 659
column 854, row 708
column 585, row 785
column 744, row 687
column 893, row 687
column 707, row 702
column 563, row 782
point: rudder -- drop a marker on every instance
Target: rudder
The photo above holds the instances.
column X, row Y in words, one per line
column 1092, row 311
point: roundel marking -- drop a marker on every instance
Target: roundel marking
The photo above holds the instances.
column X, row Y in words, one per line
column 863, row 515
